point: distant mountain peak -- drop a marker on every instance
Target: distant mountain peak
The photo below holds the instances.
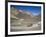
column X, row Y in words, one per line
column 20, row 11
column 25, row 12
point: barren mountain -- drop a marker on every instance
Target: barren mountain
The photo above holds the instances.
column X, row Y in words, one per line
column 20, row 18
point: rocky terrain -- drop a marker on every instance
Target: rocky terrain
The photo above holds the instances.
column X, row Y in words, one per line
column 24, row 21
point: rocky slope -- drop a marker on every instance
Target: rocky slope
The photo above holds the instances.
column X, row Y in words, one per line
column 22, row 20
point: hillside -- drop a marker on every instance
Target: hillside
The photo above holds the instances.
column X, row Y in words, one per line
column 21, row 21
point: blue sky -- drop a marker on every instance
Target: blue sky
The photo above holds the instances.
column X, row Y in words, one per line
column 35, row 10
